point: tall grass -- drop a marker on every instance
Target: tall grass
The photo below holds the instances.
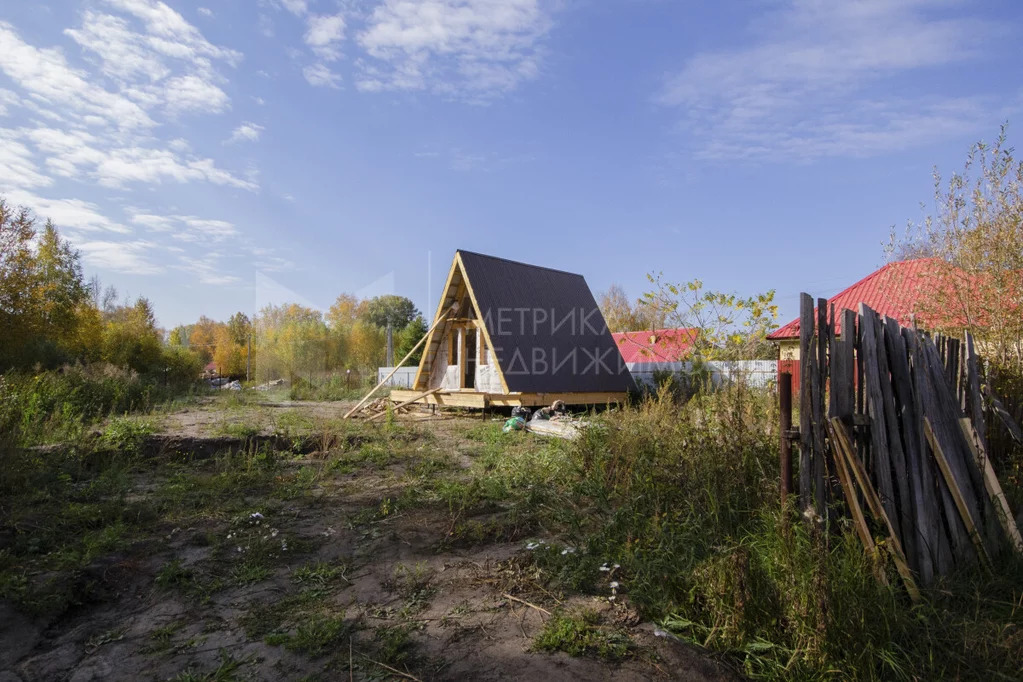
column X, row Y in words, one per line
column 684, row 499
column 48, row 406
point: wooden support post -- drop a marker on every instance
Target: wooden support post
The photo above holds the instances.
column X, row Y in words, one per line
column 785, row 433
column 822, row 467
column 806, row 379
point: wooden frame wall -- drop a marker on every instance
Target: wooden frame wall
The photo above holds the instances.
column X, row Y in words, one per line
column 442, row 306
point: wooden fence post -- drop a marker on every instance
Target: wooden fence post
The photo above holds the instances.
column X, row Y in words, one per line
column 785, row 433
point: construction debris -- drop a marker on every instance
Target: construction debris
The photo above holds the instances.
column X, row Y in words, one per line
column 561, row 426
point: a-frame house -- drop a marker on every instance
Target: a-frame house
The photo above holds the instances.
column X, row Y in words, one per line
column 507, row 333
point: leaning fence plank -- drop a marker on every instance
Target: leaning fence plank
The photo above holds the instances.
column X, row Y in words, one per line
column 875, row 408
column 903, row 488
column 806, row 364
column 876, row 506
column 994, row 488
column 957, row 494
column 1003, row 415
column 957, row 451
column 852, row 500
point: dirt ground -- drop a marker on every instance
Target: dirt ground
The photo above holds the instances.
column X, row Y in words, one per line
column 366, row 592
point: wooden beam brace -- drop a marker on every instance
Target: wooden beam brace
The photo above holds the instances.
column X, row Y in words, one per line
column 957, row 494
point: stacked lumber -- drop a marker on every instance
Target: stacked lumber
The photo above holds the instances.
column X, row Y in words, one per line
column 893, row 421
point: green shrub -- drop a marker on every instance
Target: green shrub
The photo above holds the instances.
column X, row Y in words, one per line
column 55, row 405
column 580, row 634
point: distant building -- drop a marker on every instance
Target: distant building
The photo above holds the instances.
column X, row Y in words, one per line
column 508, row 333
column 658, row 345
column 897, row 290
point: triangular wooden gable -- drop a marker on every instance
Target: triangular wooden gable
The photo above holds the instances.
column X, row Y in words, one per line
column 456, row 289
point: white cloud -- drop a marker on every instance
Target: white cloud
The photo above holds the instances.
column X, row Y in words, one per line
column 156, row 223
column 324, row 34
column 130, row 257
column 170, row 33
column 146, row 165
column 296, row 7
column 46, row 75
column 74, row 214
column 17, row 168
column 185, row 227
column 246, row 132
column 205, row 12
column 320, row 75
column 475, row 49
column 802, row 86
column 122, row 52
column 208, row 270
column 7, row 100
column 192, row 93
column 76, row 153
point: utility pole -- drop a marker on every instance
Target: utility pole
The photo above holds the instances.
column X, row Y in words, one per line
column 390, row 345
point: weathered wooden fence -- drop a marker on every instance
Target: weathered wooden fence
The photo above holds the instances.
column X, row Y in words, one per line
column 891, row 422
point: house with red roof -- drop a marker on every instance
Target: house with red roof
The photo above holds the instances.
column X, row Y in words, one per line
column 657, row 345
column 898, row 290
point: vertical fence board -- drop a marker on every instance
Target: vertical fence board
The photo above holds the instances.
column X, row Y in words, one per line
column 918, row 539
column 902, row 487
column 806, row 362
column 820, row 469
column 875, row 409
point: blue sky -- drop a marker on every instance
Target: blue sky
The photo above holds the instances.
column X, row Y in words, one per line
column 220, row 155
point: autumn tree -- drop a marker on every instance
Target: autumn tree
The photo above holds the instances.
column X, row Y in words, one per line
column 131, row 338
column 239, row 327
column 728, row 326
column 407, row 339
column 203, row 339
column 292, row 342
column 975, row 242
column 397, row 311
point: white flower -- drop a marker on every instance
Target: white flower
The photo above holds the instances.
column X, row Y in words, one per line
column 240, row 549
column 256, row 515
column 273, row 532
column 617, row 565
column 568, row 550
column 614, row 584
column 605, row 568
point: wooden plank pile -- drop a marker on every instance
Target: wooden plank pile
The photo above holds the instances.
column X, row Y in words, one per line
column 892, row 422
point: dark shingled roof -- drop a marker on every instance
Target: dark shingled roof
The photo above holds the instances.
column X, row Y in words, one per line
column 548, row 333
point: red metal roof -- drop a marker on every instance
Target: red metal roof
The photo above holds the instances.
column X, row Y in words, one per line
column 895, row 290
column 658, row 345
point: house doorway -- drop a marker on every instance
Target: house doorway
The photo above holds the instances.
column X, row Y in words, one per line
column 469, row 380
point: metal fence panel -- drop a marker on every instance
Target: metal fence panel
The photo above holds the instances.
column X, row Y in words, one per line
column 403, row 378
